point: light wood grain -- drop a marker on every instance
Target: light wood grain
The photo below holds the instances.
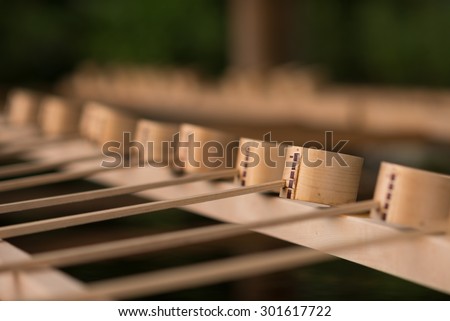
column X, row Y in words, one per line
column 321, row 176
column 80, row 219
column 110, row 192
column 172, row 240
column 412, row 197
column 36, row 167
column 221, row 270
column 423, row 260
column 39, row 180
column 155, row 137
column 260, row 161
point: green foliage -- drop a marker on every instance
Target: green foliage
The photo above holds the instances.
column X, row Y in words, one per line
column 173, row 31
column 384, row 41
column 41, row 40
column 35, row 41
column 395, row 41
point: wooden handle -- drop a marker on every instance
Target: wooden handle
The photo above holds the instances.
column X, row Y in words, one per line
column 39, row 180
column 109, row 192
column 412, row 197
column 200, row 274
column 36, row 167
column 85, row 218
column 170, row 240
column 320, row 176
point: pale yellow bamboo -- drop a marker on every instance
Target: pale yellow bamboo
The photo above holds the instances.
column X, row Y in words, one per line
column 109, row 192
column 146, row 244
column 97, row 216
column 179, row 278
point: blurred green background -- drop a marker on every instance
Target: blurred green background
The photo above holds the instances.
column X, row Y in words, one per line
column 376, row 41
column 43, row 40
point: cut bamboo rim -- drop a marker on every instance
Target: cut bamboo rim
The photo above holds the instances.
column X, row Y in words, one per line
column 412, row 197
column 97, row 216
column 109, row 192
column 164, row 241
column 195, row 159
column 58, row 117
column 155, row 138
column 22, row 107
column 259, row 161
column 320, row 176
column 201, row 274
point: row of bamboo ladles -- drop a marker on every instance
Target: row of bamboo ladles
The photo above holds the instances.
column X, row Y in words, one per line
column 404, row 197
column 407, row 196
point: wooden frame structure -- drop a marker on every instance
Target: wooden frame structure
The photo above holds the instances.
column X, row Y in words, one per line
column 424, row 260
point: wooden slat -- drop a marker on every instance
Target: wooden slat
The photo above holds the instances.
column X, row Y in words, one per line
column 425, row 261
column 36, row 167
column 126, row 211
column 170, row 240
column 109, row 192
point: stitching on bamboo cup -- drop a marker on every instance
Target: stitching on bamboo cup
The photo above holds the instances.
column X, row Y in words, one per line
column 411, row 197
column 259, row 162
